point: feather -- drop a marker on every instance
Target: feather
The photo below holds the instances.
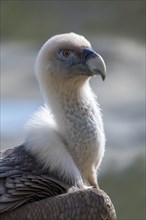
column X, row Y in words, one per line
column 81, row 204
column 21, row 186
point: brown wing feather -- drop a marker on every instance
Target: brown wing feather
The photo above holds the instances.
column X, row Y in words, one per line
column 24, row 180
column 91, row 204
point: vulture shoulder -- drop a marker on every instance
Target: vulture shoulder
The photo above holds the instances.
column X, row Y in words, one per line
column 27, row 190
column 24, row 180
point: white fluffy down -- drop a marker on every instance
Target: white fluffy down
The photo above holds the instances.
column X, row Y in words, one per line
column 44, row 141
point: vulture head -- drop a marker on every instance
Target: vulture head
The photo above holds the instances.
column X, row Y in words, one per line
column 66, row 62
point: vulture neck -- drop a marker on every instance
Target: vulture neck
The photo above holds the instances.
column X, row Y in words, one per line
column 73, row 106
column 78, row 125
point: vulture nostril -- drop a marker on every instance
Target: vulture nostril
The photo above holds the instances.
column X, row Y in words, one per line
column 86, row 53
column 86, row 56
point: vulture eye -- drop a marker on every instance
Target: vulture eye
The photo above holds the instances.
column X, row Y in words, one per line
column 65, row 54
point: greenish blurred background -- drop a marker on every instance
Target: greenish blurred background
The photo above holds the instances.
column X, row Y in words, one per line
column 116, row 29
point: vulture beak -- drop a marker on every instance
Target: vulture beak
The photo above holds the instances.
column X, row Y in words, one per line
column 94, row 62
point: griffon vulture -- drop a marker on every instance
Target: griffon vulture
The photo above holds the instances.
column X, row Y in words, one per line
column 64, row 143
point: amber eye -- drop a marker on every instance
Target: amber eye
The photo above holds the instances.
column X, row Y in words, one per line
column 65, row 54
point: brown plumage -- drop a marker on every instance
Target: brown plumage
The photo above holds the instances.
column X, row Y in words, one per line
column 91, row 204
column 26, row 185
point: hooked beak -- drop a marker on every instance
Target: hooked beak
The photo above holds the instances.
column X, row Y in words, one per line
column 94, row 62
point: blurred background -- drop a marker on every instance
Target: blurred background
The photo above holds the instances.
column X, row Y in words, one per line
column 116, row 30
